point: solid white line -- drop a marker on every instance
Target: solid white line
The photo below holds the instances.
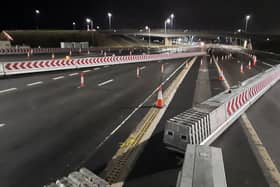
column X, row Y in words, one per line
column 137, row 108
column 106, row 82
column 73, row 74
column 57, row 78
column 267, row 64
column 144, row 67
column 35, row 83
column 96, row 69
column 2, row 125
column 8, row 90
column 85, row 71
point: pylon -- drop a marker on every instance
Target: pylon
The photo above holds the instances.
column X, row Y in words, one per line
column 138, row 72
column 162, row 68
column 82, row 84
column 222, row 57
column 159, row 102
column 28, row 54
column 249, row 65
column 201, row 61
column 241, row 68
column 52, row 55
column 254, row 60
column 70, row 53
column 211, row 60
column 221, row 75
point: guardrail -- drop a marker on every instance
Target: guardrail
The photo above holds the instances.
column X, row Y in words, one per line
column 217, row 113
column 11, row 68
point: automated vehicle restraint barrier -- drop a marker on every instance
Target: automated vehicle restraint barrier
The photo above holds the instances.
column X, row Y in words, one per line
column 206, row 121
column 12, row 68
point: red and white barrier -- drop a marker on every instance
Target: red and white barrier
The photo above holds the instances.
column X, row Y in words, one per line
column 10, row 68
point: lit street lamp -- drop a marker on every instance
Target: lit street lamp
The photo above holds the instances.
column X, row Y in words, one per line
column 149, row 30
column 247, row 18
column 165, row 24
column 89, row 23
column 110, row 19
column 74, row 25
column 172, row 16
column 37, row 14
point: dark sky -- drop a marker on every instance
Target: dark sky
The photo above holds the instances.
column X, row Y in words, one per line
column 190, row 14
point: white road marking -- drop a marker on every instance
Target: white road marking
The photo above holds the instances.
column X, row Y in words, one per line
column 2, row 124
column 57, row 78
column 96, row 69
column 137, row 108
column 73, row 74
column 106, row 82
column 8, row 90
column 106, row 66
column 144, row 67
column 85, row 71
column 267, row 64
column 35, row 83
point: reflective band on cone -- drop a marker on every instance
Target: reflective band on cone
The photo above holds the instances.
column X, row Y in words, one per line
column 159, row 102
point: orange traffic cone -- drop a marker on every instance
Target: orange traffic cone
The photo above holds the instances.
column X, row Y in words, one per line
column 221, row 75
column 159, row 102
column 162, row 68
column 138, row 72
column 241, row 68
column 249, row 65
column 82, row 84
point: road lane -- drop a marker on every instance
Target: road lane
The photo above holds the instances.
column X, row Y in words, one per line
column 55, row 127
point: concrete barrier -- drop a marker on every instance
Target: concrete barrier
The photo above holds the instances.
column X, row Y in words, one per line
column 11, row 68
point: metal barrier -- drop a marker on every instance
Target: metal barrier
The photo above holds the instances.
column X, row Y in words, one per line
column 218, row 113
column 11, row 68
column 203, row 166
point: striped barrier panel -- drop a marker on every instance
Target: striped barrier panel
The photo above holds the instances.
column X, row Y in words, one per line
column 11, row 68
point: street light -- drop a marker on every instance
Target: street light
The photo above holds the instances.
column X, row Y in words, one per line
column 246, row 23
column 172, row 16
column 165, row 24
column 74, row 25
column 149, row 30
column 37, row 14
column 110, row 19
column 89, row 21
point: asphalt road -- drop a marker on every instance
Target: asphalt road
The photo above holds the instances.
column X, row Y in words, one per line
column 50, row 127
column 241, row 166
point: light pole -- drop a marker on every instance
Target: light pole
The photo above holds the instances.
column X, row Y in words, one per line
column 74, row 25
column 172, row 16
column 247, row 18
column 165, row 24
column 110, row 20
column 37, row 14
column 89, row 22
column 149, row 30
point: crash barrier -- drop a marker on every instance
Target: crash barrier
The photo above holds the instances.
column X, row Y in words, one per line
column 18, row 51
column 206, row 121
column 81, row 178
column 11, row 68
column 203, row 166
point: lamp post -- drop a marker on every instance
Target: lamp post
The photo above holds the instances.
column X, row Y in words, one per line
column 149, row 30
column 165, row 24
column 247, row 18
column 110, row 20
column 37, row 14
column 89, row 24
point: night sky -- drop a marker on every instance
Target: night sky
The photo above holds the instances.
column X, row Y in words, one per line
column 190, row 14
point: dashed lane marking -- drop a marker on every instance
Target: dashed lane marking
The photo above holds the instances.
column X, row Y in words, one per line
column 8, row 90
column 144, row 67
column 86, row 71
column 35, row 83
column 73, row 74
column 96, row 69
column 106, row 82
column 57, row 78
column 2, row 124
